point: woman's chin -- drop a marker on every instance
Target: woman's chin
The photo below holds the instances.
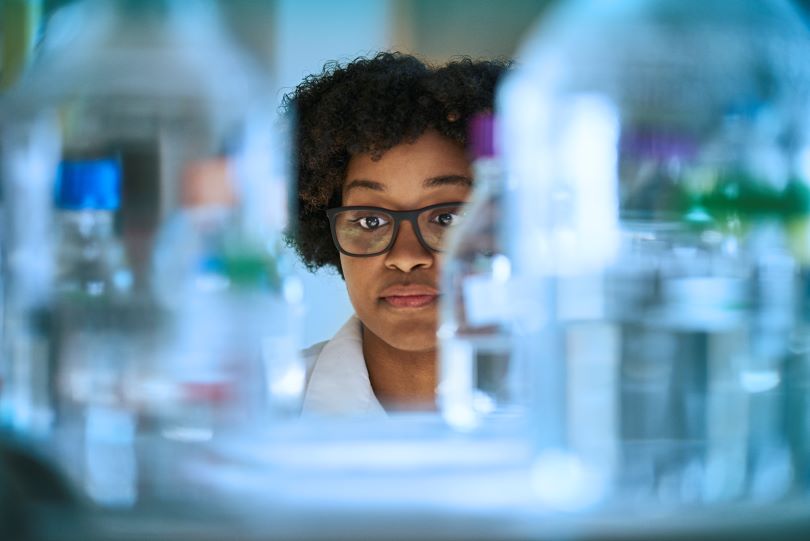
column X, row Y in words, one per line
column 410, row 338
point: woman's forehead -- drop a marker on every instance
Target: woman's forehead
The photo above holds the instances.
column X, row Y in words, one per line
column 431, row 164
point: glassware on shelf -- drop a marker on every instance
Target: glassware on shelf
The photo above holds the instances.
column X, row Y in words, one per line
column 147, row 90
column 92, row 340
column 234, row 308
column 658, row 151
column 481, row 377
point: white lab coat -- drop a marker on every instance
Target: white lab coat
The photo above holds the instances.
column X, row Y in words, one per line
column 338, row 382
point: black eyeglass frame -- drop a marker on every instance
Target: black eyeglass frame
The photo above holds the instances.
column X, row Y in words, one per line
column 398, row 215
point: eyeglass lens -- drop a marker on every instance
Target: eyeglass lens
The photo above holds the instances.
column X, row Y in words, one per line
column 366, row 232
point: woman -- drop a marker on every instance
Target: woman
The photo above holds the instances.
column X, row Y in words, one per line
column 382, row 174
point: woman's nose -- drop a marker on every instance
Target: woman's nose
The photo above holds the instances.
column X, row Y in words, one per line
column 408, row 253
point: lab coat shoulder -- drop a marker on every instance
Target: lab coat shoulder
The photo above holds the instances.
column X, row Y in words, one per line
column 310, row 356
column 337, row 377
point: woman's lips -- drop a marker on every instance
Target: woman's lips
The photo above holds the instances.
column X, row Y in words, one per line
column 409, row 295
column 409, row 301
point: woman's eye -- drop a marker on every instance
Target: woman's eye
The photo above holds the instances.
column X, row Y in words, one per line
column 446, row 219
column 371, row 222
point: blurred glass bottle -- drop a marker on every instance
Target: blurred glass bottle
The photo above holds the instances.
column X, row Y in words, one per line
column 159, row 85
column 232, row 357
column 657, row 146
column 93, row 339
column 480, row 377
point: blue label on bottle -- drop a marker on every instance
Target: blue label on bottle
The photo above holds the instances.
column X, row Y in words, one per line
column 88, row 184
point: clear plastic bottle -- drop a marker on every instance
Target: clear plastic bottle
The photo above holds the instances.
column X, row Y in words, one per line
column 90, row 259
column 480, row 378
column 91, row 340
column 232, row 354
column 658, row 153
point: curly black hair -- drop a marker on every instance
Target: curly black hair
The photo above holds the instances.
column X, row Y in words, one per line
column 369, row 106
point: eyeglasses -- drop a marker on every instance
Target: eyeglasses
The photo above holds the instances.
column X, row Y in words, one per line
column 369, row 231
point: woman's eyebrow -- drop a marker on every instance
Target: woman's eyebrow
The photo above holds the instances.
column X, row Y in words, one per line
column 364, row 183
column 432, row 182
column 447, row 180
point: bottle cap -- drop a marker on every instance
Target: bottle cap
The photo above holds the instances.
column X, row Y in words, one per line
column 89, row 184
column 207, row 182
column 481, row 133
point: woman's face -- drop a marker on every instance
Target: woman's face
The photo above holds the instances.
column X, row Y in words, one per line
column 395, row 294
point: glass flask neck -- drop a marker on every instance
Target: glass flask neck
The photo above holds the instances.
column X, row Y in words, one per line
column 88, row 223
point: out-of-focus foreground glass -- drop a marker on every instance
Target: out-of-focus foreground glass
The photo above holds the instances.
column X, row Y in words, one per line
column 482, row 378
column 146, row 288
column 657, row 156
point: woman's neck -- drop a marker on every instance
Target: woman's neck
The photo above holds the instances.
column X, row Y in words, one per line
column 401, row 380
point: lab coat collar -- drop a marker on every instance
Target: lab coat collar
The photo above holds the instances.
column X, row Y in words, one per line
column 339, row 382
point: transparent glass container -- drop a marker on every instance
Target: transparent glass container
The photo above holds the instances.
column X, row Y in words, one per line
column 89, row 335
column 160, row 86
column 481, row 377
column 235, row 308
column 656, row 152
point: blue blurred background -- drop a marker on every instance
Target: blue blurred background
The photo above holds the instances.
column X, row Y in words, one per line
column 291, row 39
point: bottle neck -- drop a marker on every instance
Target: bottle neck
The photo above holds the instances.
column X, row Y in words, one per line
column 87, row 223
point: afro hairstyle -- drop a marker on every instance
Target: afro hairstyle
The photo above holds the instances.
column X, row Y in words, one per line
column 369, row 106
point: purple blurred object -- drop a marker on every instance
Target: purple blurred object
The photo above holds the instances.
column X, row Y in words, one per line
column 658, row 145
column 481, row 136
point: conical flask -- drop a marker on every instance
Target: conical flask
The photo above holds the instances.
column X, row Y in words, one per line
column 658, row 155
